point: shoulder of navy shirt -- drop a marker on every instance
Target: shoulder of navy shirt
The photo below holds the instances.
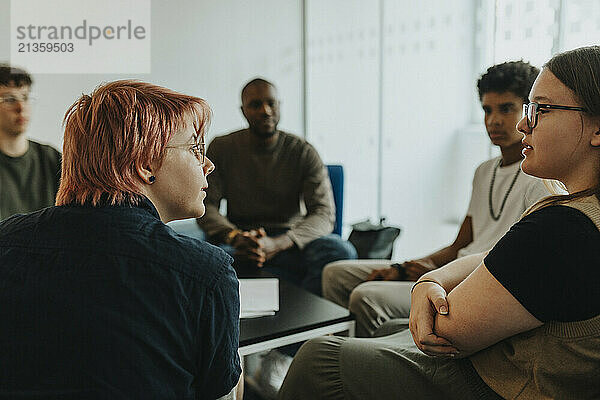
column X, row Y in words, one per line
column 141, row 235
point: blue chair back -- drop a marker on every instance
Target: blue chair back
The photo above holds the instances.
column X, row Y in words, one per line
column 336, row 175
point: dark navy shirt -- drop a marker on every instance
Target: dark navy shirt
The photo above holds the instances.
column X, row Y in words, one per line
column 110, row 303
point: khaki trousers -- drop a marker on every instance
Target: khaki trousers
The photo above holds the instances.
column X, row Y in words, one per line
column 372, row 303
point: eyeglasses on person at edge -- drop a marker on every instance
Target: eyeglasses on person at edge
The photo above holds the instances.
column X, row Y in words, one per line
column 532, row 110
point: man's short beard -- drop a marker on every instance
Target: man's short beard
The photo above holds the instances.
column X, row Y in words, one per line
column 16, row 133
column 263, row 135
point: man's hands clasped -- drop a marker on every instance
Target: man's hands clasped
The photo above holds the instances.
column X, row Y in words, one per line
column 256, row 247
column 247, row 248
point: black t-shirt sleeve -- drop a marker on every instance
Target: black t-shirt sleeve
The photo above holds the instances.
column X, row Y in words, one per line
column 550, row 262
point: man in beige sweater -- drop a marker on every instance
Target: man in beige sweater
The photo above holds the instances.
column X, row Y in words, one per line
column 265, row 175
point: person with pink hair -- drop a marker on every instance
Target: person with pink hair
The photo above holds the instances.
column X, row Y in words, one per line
column 101, row 298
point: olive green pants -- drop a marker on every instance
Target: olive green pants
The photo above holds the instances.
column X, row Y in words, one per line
column 389, row 367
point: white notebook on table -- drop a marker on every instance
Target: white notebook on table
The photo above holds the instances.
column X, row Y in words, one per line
column 259, row 297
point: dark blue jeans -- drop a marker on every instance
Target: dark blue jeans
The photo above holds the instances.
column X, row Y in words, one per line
column 304, row 267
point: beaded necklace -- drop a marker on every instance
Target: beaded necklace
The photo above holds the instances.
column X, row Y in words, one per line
column 494, row 216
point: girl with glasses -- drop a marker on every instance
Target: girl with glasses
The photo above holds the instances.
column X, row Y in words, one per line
column 521, row 321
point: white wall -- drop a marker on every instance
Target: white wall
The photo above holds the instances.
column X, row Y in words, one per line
column 342, row 96
column 426, row 104
column 204, row 48
column 427, row 92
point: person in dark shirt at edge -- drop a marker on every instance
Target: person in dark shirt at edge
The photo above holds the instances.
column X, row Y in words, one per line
column 29, row 171
column 265, row 174
column 102, row 300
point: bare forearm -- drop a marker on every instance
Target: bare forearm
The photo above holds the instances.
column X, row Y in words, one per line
column 474, row 325
column 449, row 253
column 443, row 256
column 453, row 273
